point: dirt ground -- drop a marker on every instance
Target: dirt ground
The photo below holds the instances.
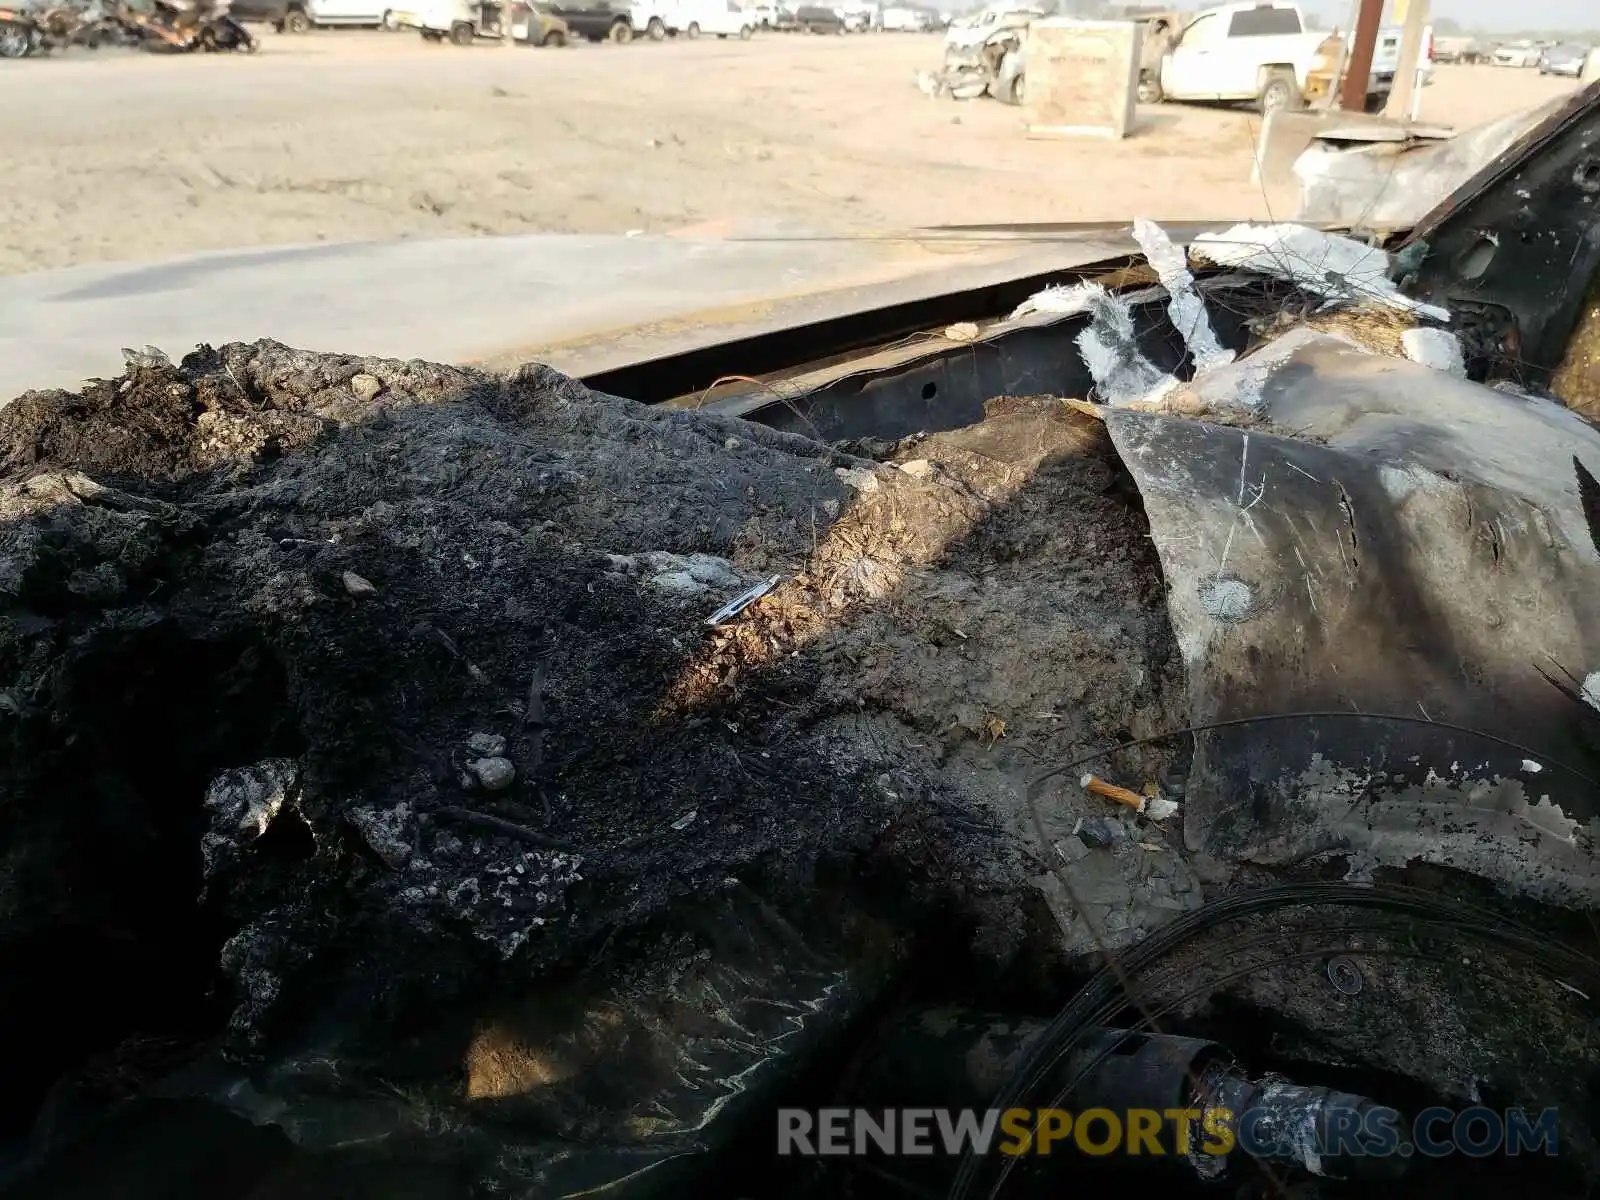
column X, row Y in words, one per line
column 348, row 136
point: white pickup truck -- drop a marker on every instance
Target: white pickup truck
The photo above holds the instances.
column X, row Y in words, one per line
column 1262, row 52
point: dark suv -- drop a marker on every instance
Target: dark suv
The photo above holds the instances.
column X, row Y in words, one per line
column 596, row 20
column 813, row 18
column 286, row 16
column 266, row 12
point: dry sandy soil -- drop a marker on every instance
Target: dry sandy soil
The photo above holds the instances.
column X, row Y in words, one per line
column 347, row 136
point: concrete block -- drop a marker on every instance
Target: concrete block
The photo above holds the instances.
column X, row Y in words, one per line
column 1082, row 77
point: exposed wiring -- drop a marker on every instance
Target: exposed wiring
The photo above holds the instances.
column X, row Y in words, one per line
column 1110, row 990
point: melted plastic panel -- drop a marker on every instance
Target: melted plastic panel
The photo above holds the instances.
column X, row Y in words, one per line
column 1409, row 550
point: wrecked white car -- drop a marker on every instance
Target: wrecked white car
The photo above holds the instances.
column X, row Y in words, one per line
column 992, row 65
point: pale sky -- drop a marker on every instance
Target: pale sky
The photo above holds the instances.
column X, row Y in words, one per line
column 1524, row 14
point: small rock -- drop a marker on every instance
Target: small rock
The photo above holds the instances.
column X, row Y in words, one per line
column 732, row 443
column 1436, row 348
column 678, row 583
column 860, row 478
column 387, row 831
column 917, row 468
column 103, row 583
column 487, row 745
column 1102, row 832
column 241, row 803
column 493, row 772
column 150, row 356
column 712, row 571
column 365, row 386
column 1071, row 849
column 357, row 586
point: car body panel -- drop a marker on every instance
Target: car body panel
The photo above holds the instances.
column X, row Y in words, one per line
column 265, row 12
column 346, row 12
column 536, row 25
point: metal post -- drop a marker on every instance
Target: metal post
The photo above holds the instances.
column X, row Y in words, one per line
column 1354, row 96
column 1407, row 74
column 1342, row 60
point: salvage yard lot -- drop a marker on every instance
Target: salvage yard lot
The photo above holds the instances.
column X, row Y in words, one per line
column 353, row 136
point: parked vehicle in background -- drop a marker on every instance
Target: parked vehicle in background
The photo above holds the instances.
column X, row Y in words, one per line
column 1386, row 54
column 976, row 29
column 536, row 25
column 1264, row 53
column 463, row 21
column 596, row 20
column 1459, row 50
column 856, row 18
column 653, row 18
column 1158, row 35
column 767, row 16
column 813, row 18
column 260, row 12
column 899, row 19
column 721, row 18
column 1516, row 54
column 303, row 15
column 1565, row 59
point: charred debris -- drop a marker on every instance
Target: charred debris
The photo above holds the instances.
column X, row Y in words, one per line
column 1178, row 689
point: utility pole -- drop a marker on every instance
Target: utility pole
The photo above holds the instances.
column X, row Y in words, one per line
column 1403, row 99
column 1353, row 97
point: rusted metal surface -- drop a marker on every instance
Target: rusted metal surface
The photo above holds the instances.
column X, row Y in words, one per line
column 1353, row 94
column 1577, row 379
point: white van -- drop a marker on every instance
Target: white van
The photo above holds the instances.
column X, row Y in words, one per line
column 719, row 18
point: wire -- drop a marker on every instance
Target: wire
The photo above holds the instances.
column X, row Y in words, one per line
column 1114, row 970
column 1332, row 714
column 1098, row 1001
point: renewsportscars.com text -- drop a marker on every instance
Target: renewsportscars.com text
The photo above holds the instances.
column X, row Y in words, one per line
column 1433, row 1133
